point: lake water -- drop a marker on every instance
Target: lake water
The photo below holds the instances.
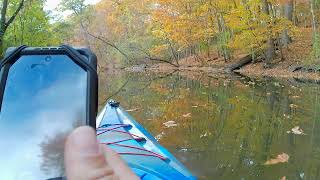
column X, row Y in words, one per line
column 226, row 127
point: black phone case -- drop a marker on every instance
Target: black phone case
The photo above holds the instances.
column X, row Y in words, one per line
column 81, row 56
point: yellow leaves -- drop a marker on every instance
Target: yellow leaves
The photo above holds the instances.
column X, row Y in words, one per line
column 281, row 158
column 183, row 22
column 158, row 33
column 252, row 28
column 158, row 50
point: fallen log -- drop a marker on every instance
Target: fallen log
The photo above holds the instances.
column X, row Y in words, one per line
column 300, row 68
column 306, row 80
column 242, row 62
column 295, row 68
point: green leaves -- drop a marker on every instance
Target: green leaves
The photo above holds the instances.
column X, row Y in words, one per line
column 31, row 27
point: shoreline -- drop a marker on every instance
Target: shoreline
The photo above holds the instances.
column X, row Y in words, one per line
column 279, row 71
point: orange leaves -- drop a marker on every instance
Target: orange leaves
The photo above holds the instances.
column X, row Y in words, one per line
column 183, row 22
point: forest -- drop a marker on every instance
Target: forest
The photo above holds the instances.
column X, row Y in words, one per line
column 179, row 33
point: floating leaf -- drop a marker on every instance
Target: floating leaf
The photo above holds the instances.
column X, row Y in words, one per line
column 205, row 134
column 297, row 130
column 170, row 124
column 281, row 158
column 132, row 110
column 159, row 136
column 286, row 116
column 283, row 178
column 183, row 150
column 195, row 106
column 251, row 83
column 188, row 115
column 293, row 106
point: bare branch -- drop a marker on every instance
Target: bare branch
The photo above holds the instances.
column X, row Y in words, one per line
column 104, row 41
column 15, row 14
column 148, row 56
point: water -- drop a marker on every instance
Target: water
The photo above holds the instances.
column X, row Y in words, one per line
column 225, row 127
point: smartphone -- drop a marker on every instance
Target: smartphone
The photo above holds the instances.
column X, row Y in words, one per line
column 45, row 93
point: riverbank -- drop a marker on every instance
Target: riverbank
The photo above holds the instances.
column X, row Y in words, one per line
column 297, row 63
column 280, row 70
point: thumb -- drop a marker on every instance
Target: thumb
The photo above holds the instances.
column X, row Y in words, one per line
column 85, row 158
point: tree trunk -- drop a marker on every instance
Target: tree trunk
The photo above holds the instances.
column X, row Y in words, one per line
column 315, row 42
column 265, row 7
column 314, row 24
column 288, row 13
column 1, row 46
column 270, row 49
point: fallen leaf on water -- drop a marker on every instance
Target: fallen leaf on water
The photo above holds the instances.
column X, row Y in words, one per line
column 194, row 106
column 205, row 134
column 159, row 136
column 281, row 158
column 286, row 116
column 298, row 131
column 170, row 124
column 293, row 106
column 251, row 82
column 301, row 175
column 132, row 110
column 188, row 115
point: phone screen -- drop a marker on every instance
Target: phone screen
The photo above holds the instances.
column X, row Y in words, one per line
column 44, row 99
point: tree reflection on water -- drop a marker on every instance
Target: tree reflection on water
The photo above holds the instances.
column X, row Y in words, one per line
column 227, row 127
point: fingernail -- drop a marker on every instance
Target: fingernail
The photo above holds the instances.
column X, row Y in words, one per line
column 84, row 140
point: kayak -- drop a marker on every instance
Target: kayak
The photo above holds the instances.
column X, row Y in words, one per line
column 141, row 151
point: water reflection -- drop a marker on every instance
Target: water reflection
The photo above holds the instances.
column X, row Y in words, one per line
column 227, row 127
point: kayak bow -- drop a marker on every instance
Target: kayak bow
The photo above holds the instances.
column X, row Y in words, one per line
column 144, row 155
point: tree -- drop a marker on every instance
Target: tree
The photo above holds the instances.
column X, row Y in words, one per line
column 32, row 21
column 7, row 20
column 287, row 13
column 83, row 14
column 270, row 48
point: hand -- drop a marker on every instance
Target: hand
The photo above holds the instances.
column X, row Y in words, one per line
column 86, row 159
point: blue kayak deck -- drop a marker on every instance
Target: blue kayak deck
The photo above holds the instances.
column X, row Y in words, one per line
column 145, row 156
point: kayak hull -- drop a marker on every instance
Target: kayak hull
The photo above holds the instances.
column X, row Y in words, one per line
column 144, row 155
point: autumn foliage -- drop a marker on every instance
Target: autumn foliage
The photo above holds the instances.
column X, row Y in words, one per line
column 167, row 30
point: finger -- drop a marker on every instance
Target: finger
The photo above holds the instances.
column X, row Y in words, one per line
column 84, row 158
column 120, row 168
